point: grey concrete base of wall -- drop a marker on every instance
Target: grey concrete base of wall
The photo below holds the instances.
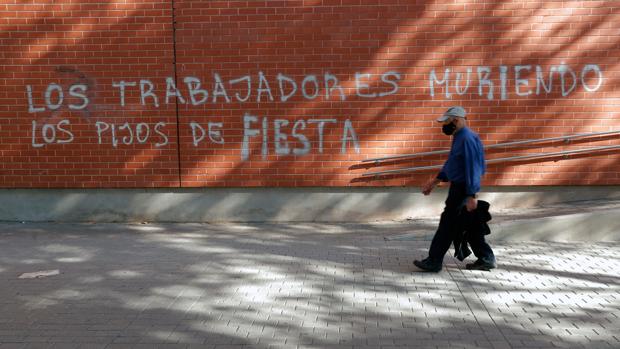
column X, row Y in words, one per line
column 585, row 221
column 535, row 213
column 353, row 204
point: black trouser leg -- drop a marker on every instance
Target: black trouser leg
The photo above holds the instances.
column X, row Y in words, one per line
column 482, row 250
column 447, row 223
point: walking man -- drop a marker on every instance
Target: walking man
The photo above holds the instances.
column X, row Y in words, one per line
column 463, row 169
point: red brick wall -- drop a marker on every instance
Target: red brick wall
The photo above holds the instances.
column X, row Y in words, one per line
column 295, row 93
column 87, row 46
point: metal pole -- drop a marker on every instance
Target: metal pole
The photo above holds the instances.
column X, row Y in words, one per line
column 508, row 159
column 438, row 152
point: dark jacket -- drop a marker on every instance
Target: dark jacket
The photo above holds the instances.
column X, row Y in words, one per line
column 474, row 222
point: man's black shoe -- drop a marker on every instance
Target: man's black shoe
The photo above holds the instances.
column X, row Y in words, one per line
column 427, row 265
column 480, row 265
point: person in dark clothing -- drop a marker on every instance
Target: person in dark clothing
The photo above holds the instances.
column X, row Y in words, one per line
column 463, row 169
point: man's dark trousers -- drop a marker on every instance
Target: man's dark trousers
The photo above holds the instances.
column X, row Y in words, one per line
column 449, row 227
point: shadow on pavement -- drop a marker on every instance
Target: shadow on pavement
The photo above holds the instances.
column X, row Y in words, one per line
column 295, row 285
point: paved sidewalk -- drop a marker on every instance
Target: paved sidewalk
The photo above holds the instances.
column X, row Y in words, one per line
column 295, row 286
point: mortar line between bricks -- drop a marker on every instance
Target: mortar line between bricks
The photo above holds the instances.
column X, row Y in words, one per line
column 486, row 310
column 176, row 100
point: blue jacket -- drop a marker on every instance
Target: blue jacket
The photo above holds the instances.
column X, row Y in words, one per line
column 465, row 163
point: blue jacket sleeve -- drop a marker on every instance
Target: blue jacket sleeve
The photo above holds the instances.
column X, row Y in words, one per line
column 474, row 165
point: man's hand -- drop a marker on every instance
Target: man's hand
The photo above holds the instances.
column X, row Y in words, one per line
column 429, row 186
column 471, row 203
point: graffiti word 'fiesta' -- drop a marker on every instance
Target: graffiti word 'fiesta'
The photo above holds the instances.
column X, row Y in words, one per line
column 244, row 89
column 520, row 76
